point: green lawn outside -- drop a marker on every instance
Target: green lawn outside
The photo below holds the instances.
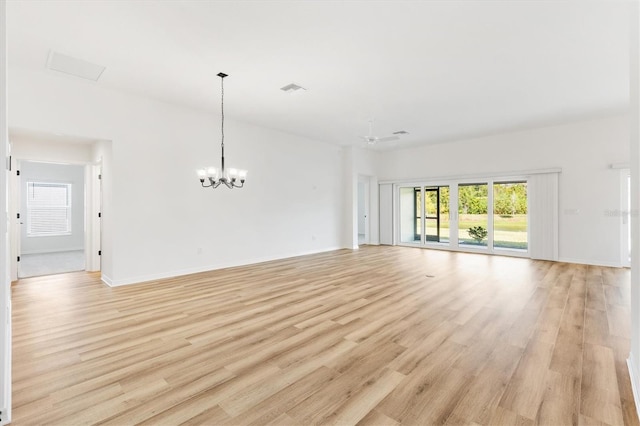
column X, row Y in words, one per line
column 514, row 223
column 509, row 232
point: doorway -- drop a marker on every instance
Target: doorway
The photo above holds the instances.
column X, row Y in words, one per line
column 56, row 217
column 625, row 213
column 51, row 218
column 363, row 210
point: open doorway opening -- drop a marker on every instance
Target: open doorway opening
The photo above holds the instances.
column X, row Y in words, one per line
column 55, row 203
column 52, row 218
column 363, row 211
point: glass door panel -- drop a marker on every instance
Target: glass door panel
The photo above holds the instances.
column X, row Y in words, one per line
column 473, row 215
column 510, row 221
column 410, row 214
column 437, row 214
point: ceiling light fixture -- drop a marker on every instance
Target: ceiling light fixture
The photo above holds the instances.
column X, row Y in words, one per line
column 215, row 176
column 291, row 88
column 74, row 66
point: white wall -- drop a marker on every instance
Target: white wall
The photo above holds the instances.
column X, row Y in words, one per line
column 59, row 173
column 5, row 281
column 634, row 130
column 589, row 190
column 161, row 222
column 49, row 151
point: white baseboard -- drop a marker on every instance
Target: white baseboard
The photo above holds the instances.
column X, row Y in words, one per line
column 635, row 385
column 171, row 274
column 590, row 262
column 7, row 356
column 105, row 279
column 188, row 271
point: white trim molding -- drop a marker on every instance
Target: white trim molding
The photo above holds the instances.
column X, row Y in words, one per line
column 107, row 280
column 493, row 175
column 635, row 385
column 155, row 277
column 592, row 262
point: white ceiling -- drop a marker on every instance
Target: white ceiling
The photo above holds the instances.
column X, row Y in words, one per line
column 441, row 70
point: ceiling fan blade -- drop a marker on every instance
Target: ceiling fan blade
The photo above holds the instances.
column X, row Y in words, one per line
column 388, row 139
column 369, row 139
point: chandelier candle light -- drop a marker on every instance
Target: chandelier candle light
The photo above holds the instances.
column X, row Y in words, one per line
column 219, row 176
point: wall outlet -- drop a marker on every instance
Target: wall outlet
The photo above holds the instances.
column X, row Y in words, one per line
column 313, row 238
column 199, row 250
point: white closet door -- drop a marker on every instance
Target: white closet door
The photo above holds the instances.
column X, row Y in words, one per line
column 543, row 216
column 386, row 213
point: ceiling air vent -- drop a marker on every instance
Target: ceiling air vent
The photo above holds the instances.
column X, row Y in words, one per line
column 290, row 88
column 74, row 66
column 401, row 132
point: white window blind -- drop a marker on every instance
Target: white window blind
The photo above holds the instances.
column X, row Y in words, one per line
column 543, row 213
column 386, row 214
column 48, row 209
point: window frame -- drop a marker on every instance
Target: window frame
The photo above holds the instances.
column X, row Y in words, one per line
column 453, row 183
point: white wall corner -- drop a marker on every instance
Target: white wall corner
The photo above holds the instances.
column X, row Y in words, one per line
column 635, row 385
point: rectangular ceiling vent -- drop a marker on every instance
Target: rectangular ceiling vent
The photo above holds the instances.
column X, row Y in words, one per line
column 401, row 132
column 290, row 88
column 74, row 66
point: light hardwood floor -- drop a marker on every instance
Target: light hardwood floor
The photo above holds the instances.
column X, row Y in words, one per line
column 377, row 336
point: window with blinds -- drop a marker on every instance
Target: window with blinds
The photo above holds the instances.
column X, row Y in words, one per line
column 48, row 209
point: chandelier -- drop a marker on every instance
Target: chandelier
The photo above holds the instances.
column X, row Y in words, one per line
column 231, row 178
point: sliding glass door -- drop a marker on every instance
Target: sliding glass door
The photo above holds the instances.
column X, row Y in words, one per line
column 411, row 215
column 424, row 214
column 485, row 215
column 436, row 214
column 510, row 219
column 473, row 220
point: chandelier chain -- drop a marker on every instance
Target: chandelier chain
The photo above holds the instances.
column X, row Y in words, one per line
column 222, row 109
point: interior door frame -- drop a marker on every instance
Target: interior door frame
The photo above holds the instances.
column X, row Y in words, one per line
column 625, row 218
column 366, row 182
column 15, row 228
column 93, row 216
